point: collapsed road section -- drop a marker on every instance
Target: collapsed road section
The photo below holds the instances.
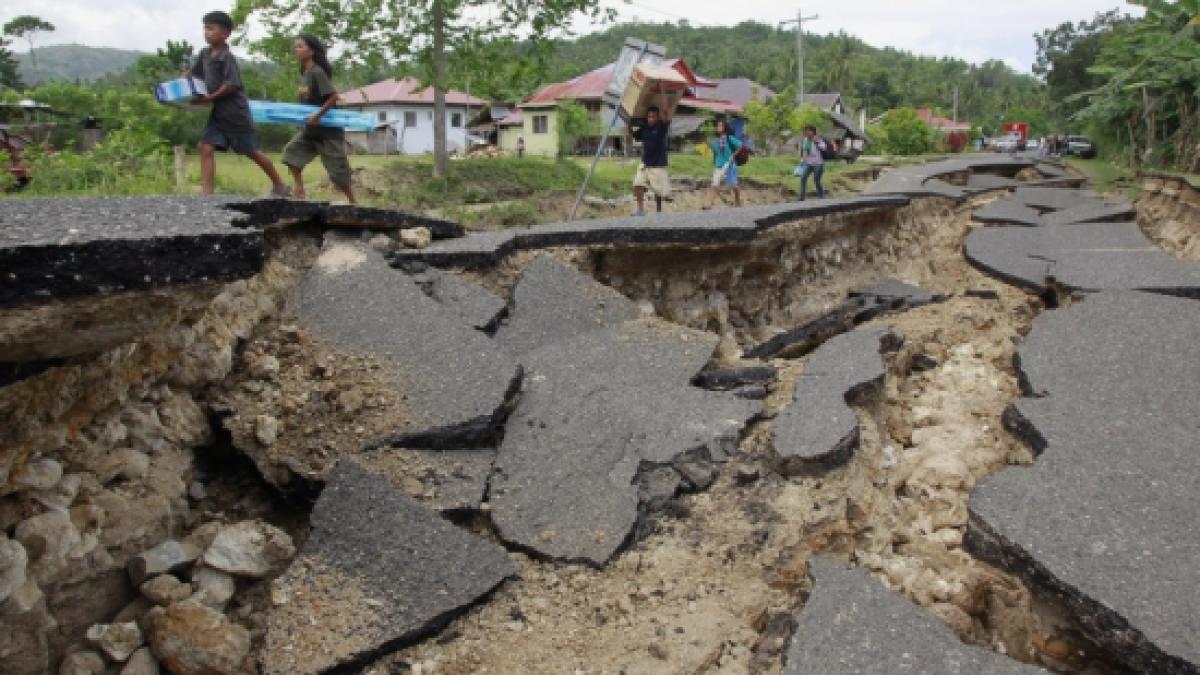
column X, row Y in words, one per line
column 333, row 439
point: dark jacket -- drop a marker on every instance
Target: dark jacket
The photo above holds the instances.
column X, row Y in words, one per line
column 654, row 142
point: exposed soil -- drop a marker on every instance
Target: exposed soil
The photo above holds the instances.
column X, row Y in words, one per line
column 711, row 584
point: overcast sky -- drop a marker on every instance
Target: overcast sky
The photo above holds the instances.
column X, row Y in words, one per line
column 975, row 31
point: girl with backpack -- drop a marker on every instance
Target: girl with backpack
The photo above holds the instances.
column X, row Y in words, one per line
column 316, row 88
column 813, row 151
column 724, row 147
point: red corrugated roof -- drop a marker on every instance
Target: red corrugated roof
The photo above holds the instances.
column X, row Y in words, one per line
column 590, row 85
column 710, row 104
column 407, row 90
column 943, row 123
column 686, row 71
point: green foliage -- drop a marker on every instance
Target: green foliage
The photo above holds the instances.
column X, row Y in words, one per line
column 128, row 161
column 1039, row 120
column 573, row 122
column 25, row 27
column 10, row 75
column 902, row 132
column 1066, row 53
column 1147, row 100
column 772, row 123
column 165, row 64
column 7, row 180
column 74, row 63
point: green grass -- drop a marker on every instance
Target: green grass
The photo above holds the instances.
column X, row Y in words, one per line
column 1105, row 176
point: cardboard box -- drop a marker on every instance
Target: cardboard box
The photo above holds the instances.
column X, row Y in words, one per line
column 181, row 92
column 649, row 86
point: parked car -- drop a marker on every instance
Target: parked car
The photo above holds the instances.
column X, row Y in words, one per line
column 1081, row 146
column 1010, row 143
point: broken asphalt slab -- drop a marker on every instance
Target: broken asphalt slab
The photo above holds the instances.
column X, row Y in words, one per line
column 1007, row 211
column 852, row 624
column 818, row 430
column 687, row 227
column 1104, row 519
column 552, row 302
column 599, row 411
column 54, row 249
column 474, row 304
column 924, row 180
column 267, row 212
column 455, row 381
column 861, row 305
column 1055, row 199
column 377, row 572
column 1084, row 257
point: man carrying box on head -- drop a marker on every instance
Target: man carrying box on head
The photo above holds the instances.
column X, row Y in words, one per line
column 652, row 171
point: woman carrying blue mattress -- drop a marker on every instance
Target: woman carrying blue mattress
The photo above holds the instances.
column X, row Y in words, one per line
column 328, row 143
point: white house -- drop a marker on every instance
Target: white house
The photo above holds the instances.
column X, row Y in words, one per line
column 404, row 111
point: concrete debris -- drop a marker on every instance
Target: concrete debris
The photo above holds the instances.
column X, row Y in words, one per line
column 819, row 430
column 42, row 473
column 13, row 560
column 417, row 237
column 82, row 663
column 250, row 548
column 191, row 639
column 852, row 624
column 378, row 570
column 213, row 588
column 141, row 663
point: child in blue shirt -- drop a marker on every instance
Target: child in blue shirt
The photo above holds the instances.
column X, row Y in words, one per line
column 724, row 146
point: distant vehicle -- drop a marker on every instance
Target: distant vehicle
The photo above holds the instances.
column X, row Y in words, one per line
column 1010, row 142
column 1081, row 146
column 1033, row 144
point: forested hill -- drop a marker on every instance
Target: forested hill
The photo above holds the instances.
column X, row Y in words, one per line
column 841, row 63
column 74, row 63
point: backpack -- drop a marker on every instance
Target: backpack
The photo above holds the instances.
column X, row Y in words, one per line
column 741, row 156
column 827, row 152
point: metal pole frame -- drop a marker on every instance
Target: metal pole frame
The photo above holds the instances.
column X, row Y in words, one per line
column 612, row 122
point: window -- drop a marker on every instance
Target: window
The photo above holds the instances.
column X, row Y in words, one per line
column 456, row 120
column 381, row 116
column 541, row 124
column 410, row 118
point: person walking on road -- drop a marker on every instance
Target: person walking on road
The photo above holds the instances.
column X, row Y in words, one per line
column 328, row 143
column 812, row 162
column 652, row 171
column 724, row 146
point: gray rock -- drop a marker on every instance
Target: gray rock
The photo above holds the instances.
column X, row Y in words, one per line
column 165, row 589
column 191, row 639
column 13, row 560
column 250, row 548
column 818, row 430
column 169, row 556
column 552, row 302
column 395, row 570
column 213, row 588
column 1091, row 257
column 141, row 663
column 620, row 401
column 852, row 624
column 451, row 374
column 117, row 640
column 82, row 663
column 1008, row 211
column 1097, row 519
column 41, row 473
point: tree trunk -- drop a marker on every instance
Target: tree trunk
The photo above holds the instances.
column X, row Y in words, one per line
column 439, row 89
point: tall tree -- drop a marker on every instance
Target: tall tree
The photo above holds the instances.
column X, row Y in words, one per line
column 25, row 27
column 10, row 77
column 421, row 33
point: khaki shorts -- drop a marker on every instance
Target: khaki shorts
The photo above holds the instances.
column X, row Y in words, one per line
column 653, row 178
column 301, row 150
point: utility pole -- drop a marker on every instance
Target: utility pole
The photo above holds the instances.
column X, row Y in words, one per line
column 956, row 104
column 799, row 21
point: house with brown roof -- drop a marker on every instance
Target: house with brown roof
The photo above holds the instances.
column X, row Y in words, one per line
column 403, row 110
column 535, row 119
